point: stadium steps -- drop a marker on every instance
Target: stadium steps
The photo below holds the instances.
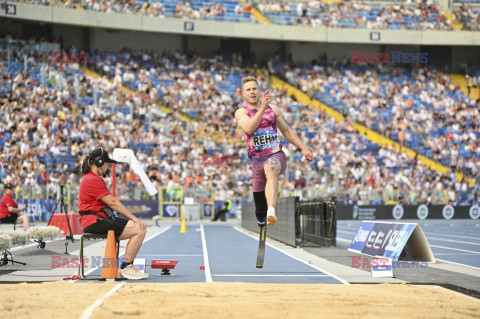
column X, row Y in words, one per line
column 371, row 135
column 460, row 81
column 260, row 17
column 456, row 25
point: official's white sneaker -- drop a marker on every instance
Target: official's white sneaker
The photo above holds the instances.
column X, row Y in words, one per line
column 271, row 218
column 145, row 275
column 131, row 272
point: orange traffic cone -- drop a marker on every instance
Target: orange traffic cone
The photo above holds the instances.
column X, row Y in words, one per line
column 109, row 269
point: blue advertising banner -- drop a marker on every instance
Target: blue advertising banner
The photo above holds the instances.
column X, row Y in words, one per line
column 171, row 211
column 382, row 239
column 378, row 238
column 38, row 209
column 207, row 210
column 41, row 209
column 402, row 212
column 361, row 236
column 399, row 240
column 142, row 208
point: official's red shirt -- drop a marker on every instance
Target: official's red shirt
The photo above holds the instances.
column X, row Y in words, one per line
column 92, row 188
column 7, row 201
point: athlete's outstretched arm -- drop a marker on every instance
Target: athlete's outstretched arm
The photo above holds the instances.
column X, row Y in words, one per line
column 290, row 135
column 247, row 124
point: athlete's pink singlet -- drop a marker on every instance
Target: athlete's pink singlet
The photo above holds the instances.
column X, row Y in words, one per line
column 264, row 140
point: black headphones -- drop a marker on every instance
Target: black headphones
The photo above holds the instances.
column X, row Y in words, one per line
column 8, row 186
column 98, row 160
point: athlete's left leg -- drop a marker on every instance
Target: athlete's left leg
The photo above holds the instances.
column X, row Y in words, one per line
column 276, row 165
column 272, row 170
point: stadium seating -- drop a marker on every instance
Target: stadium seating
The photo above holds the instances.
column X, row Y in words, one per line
column 443, row 141
column 314, row 13
column 356, row 15
column 160, row 138
column 224, row 10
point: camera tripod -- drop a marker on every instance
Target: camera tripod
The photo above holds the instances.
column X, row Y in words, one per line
column 7, row 257
column 63, row 210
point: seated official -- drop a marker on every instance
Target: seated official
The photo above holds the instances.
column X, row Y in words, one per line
column 9, row 210
column 96, row 205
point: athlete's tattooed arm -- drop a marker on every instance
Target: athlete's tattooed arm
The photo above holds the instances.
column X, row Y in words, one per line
column 290, row 134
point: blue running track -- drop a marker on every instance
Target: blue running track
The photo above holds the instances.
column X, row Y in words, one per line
column 232, row 257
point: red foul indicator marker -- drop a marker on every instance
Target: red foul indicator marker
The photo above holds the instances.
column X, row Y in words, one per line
column 164, row 265
column 202, row 267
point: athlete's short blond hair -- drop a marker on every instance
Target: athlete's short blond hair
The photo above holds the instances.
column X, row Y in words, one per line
column 249, row 79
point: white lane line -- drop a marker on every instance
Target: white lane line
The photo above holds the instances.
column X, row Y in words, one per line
column 120, row 255
column 345, row 231
column 208, row 275
column 454, row 236
column 456, row 249
column 235, row 275
column 452, row 254
column 88, row 312
column 291, row 256
column 451, row 262
column 160, row 232
column 452, row 241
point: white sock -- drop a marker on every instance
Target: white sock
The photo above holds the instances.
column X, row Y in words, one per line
column 271, row 210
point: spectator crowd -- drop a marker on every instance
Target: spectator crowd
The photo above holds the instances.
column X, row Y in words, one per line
column 398, row 16
column 226, row 10
column 173, row 109
column 418, row 107
column 423, row 15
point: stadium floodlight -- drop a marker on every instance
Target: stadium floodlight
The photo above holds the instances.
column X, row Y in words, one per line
column 125, row 155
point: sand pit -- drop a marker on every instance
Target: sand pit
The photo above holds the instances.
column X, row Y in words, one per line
column 50, row 299
column 236, row 300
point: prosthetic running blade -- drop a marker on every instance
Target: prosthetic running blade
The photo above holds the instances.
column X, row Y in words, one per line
column 261, row 246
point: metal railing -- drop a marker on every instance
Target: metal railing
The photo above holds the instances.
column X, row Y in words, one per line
column 199, row 195
column 373, row 196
